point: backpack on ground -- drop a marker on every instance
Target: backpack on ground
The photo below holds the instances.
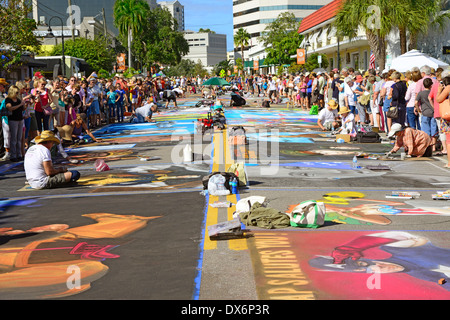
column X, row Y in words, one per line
column 368, row 137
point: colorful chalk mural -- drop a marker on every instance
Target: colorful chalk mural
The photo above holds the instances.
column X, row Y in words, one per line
column 349, row 207
column 350, row 265
column 58, row 261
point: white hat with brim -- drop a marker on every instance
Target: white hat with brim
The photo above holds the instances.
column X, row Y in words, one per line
column 396, row 127
column 47, row 136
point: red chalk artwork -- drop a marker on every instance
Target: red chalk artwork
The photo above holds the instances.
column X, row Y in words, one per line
column 350, row 266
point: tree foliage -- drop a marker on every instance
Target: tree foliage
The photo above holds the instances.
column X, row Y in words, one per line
column 16, row 32
column 160, row 42
column 281, row 39
column 223, row 65
column 241, row 40
column 379, row 17
column 97, row 53
column 186, row 68
column 130, row 18
column 313, row 62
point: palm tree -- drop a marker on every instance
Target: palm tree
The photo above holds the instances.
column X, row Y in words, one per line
column 241, row 40
column 433, row 13
column 371, row 15
column 129, row 17
column 411, row 17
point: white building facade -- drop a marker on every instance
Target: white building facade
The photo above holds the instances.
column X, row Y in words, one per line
column 255, row 15
column 177, row 11
column 210, row 48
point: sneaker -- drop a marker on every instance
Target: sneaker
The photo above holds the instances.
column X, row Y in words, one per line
column 6, row 157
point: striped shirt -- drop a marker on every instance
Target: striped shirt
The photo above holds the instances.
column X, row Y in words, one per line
column 415, row 142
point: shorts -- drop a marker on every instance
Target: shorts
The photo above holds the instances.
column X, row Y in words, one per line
column 328, row 125
column 303, row 95
column 172, row 98
column 94, row 108
column 374, row 106
column 429, row 126
column 353, row 110
column 56, row 181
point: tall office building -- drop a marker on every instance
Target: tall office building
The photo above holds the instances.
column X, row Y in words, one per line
column 210, row 48
column 44, row 10
column 177, row 11
column 255, row 15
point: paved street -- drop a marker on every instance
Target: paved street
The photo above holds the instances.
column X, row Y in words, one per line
column 139, row 231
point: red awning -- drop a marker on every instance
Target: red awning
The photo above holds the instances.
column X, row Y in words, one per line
column 323, row 14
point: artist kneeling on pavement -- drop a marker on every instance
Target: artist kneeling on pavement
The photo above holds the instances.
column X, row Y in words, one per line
column 417, row 143
column 144, row 114
column 39, row 168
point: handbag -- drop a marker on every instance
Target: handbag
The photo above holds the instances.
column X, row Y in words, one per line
column 392, row 113
column 444, row 110
column 48, row 111
column 308, row 214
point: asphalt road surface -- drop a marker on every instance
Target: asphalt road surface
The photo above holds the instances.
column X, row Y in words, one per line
column 140, row 230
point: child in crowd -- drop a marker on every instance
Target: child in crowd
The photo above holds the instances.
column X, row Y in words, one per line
column 112, row 98
column 424, row 106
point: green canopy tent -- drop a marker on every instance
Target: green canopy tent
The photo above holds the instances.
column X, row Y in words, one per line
column 216, row 81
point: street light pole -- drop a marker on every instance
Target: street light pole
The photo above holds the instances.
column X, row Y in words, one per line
column 50, row 34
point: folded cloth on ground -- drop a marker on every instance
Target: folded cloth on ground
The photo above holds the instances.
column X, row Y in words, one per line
column 245, row 204
column 263, row 217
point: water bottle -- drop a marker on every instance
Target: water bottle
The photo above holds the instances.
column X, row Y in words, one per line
column 234, row 186
column 355, row 163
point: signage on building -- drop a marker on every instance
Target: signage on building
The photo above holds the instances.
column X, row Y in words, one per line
column 301, row 56
column 56, row 33
column 121, row 62
column 256, row 65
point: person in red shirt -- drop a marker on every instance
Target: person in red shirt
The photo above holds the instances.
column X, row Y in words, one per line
column 437, row 115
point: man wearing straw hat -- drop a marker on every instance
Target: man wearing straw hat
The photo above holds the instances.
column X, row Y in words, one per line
column 327, row 118
column 39, row 169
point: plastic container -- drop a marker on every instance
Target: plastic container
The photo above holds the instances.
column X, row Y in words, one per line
column 355, row 163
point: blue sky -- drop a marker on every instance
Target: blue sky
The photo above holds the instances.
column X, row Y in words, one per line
column 215, row 15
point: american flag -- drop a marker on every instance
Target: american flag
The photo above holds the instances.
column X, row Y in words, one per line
column 372, row 61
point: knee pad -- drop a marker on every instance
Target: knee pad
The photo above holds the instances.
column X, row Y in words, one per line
column 75, row 176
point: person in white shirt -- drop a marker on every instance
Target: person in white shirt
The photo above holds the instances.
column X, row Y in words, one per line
column 272, row 89
column 327, row 118
column 38, row 165
column 348, row 121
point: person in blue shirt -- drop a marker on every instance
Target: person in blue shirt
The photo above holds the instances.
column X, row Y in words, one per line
column 112, row 98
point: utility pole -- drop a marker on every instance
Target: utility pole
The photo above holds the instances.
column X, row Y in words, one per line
column 72, row 27
column 104, row 22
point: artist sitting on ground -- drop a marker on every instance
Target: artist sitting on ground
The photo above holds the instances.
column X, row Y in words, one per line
column 328, row 117
column 417, row 143
column 144, row 113
column 38, row 164
column 78, row 126
column 348, row 121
